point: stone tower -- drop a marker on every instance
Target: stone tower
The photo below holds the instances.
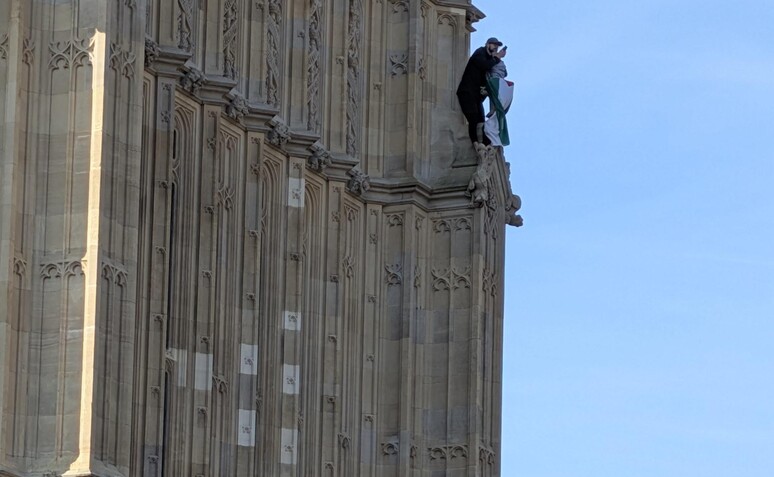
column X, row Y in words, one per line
column 246, row 238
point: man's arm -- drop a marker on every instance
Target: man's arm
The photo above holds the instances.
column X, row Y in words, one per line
column 483, row 60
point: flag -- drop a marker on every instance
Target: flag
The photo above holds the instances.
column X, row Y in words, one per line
column 500, row 96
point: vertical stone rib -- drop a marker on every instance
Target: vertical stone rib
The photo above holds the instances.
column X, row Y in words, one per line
column 312, row 331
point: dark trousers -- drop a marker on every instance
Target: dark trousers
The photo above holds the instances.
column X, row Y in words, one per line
column 473, row 108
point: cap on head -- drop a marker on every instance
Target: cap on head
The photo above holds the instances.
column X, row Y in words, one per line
column 495, row 41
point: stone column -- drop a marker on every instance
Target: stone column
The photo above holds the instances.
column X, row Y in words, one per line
column 71, row 150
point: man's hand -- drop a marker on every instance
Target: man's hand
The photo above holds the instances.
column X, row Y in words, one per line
column 501, row 54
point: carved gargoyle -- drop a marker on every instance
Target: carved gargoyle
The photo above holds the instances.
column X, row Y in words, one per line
column 151, row 51
column 511, row 207
column 192, row 80
column 359, row 181
column 279, row 134
column 478, row 187
column 238, row 106
column 320, row 158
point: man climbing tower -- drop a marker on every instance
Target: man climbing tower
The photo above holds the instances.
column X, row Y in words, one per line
column 472, row 88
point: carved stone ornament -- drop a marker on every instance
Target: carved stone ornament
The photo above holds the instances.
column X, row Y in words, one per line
column 114, row 274
column 314, row 33
column 399, row 6
column 489, row 281
column 220, row 384
column 394, row 220
column 71, row 53
column 193, row 79
column 19, row 267
column 511, row 207
column 450, row 278
column 320, row 158
column 28, row 51
column 459, row 224
column 273, row 55
column 399, row 64
column 238, row 107
column 230, row 33
column 478, row 187
column 4, row 46
column 448, row 452
column 486, row 456
column 151, row 51
column 279, row 134
column 63, row 269
column 169, row 360
column 354, row 87
column 394, row 274
column 359, row 181
column 121, row 61
column 390, row 448
column 185, row 24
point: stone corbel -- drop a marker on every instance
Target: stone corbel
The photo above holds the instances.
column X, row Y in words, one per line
column 151, row 51
column 237, row 107
column 193, row 79
column 359, row 181
column 279, row 134
column 320, row 158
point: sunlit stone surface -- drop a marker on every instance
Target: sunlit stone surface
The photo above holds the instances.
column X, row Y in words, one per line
column 246, row 238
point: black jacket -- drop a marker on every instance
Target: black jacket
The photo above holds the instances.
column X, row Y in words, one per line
column 474, row 76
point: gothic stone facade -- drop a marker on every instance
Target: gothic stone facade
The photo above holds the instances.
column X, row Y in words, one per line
column 246, row 238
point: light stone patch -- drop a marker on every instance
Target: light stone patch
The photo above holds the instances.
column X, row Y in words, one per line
column 290, row 378
column 249, row 359
column 246, row 436
column 292, row 321
column 203, row 371
column 296, row 192
column 181, row 365
column 288, row 448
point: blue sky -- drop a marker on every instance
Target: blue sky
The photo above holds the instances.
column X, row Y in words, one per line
column 640, row 305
